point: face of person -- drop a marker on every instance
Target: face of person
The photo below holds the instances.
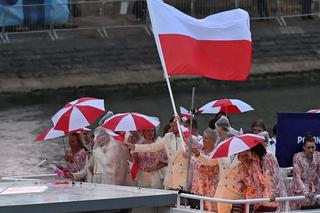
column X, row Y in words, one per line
column 257, row 129
column 208, row 140
column 245, row 156
column 309, row 147
column 73, row 142
column 148, row 134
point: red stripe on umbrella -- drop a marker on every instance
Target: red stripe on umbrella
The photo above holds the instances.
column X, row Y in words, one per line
column 78, row 114
column 49, row 134
column 236, row 144
column 225, row 105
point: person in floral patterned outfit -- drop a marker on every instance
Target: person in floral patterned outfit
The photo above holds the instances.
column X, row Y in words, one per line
column 151, row 163
column 206, row 177
column 261, row 178
column 75, row 157
column 306, row 175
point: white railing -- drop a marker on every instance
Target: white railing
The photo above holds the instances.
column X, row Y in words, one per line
column 103, row 15
column 246, row 202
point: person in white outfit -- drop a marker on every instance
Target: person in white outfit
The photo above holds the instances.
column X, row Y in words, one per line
column 107, row 163
column 175, row 148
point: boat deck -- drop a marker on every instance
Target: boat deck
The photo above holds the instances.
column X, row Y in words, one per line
column 67, row 196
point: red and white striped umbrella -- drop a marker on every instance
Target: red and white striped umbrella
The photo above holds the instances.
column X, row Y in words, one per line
column 314, row 111
column 50, row 134
column 184, row 113
column 225, row 105
column 236, row 144
column 78, row 114
column 130, row 122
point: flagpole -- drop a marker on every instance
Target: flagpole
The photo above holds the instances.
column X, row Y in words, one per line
column 165, row 73
column 190, row 139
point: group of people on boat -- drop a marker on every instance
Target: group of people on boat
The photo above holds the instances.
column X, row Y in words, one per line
column 144, row 159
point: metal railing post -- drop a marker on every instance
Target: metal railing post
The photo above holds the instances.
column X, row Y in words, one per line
column 178, row 201
column 201, row 205
column 247, row 207
column 286, row 206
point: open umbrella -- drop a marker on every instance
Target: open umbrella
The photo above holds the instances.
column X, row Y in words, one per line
column 130, row 122
column 236, row 144
column 225, row 105
column 78, row 114
column 184, row 113
column 50, row 134
column 314, row 111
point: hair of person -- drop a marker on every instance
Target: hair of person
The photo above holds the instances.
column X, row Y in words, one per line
column 194, row 123
column 259, row 123
column 166, row 129
column 308, row 138
column 259, row 150
column 221, row 113
column 171, row 119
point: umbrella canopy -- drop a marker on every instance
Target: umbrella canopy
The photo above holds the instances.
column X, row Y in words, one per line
column 50, row 134
column 184, row 113
column 225, row 105
column 236, row 144
column 314, row 111
column 78, row 114
column 130, row 122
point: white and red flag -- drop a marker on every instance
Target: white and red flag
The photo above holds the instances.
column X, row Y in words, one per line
column 134, row 169
column 218, row 46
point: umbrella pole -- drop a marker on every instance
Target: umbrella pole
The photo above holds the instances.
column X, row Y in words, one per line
column 189, row 179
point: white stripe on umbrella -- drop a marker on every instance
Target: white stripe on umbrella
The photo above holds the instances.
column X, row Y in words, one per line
column 99, row 104
column 237, row 146
column 77, row 119
column 244, row 107
column 130, row 122
column 314, row 111
column 127, row 122
column 49, row 134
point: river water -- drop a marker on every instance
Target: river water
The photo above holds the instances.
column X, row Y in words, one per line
column 21, row 122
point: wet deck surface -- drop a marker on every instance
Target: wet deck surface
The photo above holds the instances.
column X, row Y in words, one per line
column 61, row 196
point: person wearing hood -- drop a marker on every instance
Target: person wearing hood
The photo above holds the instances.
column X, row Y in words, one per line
column 229, row 185
column 108, row 164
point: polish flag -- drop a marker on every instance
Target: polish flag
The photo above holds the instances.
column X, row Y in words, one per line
column 134, row 169
column 218, row 46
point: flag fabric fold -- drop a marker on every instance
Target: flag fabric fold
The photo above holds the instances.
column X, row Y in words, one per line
column 134, row 169
column 218, row 46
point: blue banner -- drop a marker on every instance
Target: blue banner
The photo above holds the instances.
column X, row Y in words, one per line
column 29, row 12
column 292, row 127
column 11, row 12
